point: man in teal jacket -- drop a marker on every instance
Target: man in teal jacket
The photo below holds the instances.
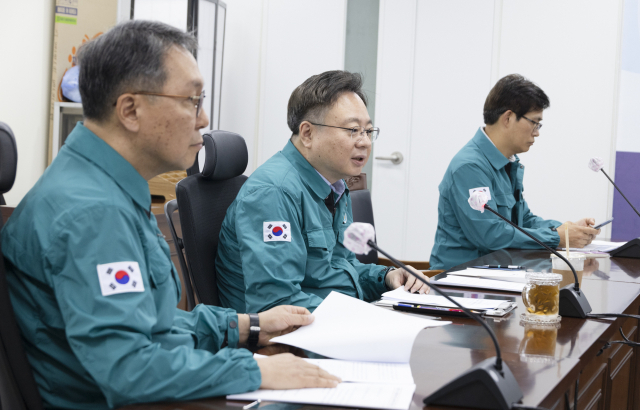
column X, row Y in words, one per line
column 281, row 240
column 512, row 114
column 89, row 272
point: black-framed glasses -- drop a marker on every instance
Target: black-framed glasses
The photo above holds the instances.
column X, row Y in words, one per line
column 536, row 125
column 371, row 133
column 196, row 99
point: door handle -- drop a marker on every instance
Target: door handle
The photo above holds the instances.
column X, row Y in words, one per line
column 395, row 158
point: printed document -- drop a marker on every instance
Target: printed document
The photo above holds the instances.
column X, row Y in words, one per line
column 598, row 246
column 470, row 282
column 401, row 295
column 363, row 395
column 497, row 274
column 347, row 328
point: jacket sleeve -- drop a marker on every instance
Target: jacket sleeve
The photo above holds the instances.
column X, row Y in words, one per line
column 113, row 336
column 485, row 230
column 273, row 269
column 529, row 220
column 371, row 278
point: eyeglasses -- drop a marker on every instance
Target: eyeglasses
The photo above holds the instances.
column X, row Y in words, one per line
column 371, row 133
column 536, row 125
column 196, row 99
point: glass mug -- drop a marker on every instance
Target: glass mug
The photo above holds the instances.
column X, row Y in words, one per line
column 541, row 297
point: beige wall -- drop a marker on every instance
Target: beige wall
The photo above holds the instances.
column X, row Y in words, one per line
column 25, row 77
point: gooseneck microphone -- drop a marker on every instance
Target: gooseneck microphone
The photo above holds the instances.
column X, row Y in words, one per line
column 488, row 384
column 573, row 302
column 596, row 164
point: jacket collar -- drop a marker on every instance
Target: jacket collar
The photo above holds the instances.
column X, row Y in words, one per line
column 490, row 151
column 96, row 150
column 309, row 174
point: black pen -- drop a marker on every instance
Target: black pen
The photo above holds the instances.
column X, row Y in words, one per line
column 499, row 267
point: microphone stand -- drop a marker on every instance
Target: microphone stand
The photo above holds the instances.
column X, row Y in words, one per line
column 573, row 302
column 486, row 385
column 616, row 186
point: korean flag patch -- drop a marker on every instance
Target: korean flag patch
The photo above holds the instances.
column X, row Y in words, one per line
column 278, row 231
column 484, row 189
column 120, row 277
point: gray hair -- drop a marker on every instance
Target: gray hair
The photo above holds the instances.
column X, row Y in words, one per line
column 127, row 58
column 311, row 99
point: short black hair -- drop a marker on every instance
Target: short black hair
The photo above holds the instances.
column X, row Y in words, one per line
column 515, row 93
column 129, row 57
column 311, row 99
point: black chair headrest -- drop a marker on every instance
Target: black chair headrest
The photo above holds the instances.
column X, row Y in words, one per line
column 225, row 155
column 8, row 158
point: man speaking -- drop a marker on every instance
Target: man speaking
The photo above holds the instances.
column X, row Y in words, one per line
column 489, row 162
column 281, row 241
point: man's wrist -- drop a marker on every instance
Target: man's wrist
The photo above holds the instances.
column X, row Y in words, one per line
column 386, row 272
column 243, row 328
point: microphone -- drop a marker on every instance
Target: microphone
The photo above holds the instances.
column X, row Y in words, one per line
column 596, row 164
column 488, row 384
column 573, row 302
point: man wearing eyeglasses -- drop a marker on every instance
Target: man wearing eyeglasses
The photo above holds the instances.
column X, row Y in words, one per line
column 89, row 272
column 489, row 162
column 281, row 240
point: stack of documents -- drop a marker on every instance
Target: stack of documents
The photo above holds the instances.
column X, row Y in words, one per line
column 459, row 279
column 367, row 385
column 377, row 342
column 598, row 246
column 508, row 275
column 347, row 328
column 401, row 295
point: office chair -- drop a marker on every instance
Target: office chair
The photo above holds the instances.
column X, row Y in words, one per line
column 203, row 199
column 362, row 210
column 18, row 389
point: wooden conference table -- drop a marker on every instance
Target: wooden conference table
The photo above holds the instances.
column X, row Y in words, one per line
column 546, row 364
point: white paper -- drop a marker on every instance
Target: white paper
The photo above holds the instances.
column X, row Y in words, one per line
column 401, row 295
column 366, row 372
column 349, row 329
column 365, row 395
column 469, row 282
column 497, row 274
column 600, row 246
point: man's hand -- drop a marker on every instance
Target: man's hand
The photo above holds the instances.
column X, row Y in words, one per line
column 285, row 371
column 277, row 321
column 400, row 277
column 580, row 233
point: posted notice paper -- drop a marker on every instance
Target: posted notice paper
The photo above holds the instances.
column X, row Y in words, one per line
column 349, row 329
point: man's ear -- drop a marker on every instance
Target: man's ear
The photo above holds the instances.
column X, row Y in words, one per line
column 305, row 133
column 507, row 118
column 128, row 111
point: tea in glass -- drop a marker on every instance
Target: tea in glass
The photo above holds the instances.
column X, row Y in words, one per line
column 541, row 297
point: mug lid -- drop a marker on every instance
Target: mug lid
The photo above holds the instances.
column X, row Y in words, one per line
column 543, row 277
column 572, row 255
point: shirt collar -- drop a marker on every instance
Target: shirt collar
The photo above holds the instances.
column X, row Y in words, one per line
column 488, row 148
column 338, row 187
column 96, row 150
column 310, row 176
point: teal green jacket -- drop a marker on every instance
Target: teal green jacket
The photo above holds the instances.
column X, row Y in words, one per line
column 89, row 348
column 280, row 245
column 464, row 234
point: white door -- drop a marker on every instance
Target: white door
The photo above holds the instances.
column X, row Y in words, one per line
column 437, row 60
